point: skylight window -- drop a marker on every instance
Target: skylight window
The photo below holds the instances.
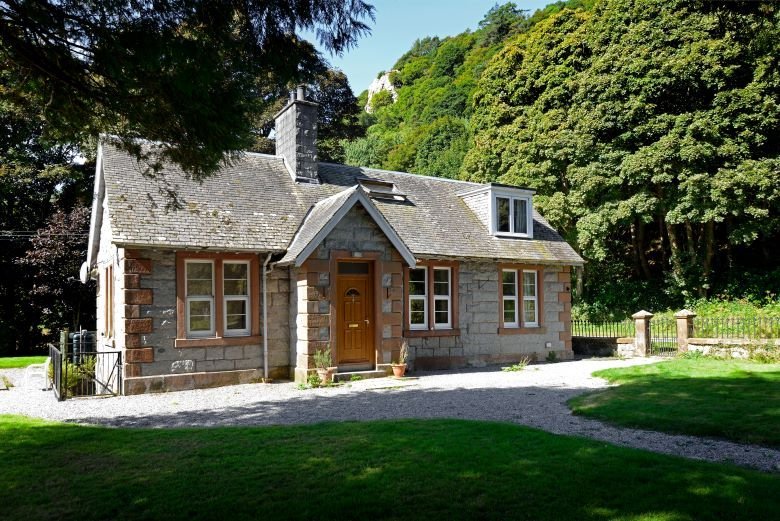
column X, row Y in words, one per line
column 379, row 189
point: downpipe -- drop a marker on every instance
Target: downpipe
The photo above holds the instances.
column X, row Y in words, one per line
column 265, row 318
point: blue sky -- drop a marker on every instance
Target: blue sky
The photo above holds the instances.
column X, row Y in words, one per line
column 400, row 22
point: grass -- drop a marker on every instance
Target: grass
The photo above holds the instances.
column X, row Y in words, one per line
column 736, row 400
column 16, row 362
column 442, row 469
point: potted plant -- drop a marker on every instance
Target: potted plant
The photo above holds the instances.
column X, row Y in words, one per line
column 323, row 361
column 399, row 367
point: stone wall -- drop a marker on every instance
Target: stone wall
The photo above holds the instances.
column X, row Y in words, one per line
column 480, row 343
column 153, row 362
column 296, row 139
column 355, row 237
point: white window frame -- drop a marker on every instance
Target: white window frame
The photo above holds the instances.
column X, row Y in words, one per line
column 200, row 298
column 245, row 298
column 423, row 297
column 448, row 298
column 514, row 298
column 512, row 195
column 534, row 298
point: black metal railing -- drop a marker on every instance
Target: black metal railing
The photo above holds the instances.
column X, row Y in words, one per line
column 55, row 371
column 737, row 327
column 591, row 329
column 80, row 368
column 663, row 337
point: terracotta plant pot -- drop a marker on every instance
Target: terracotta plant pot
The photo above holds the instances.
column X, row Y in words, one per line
column 399, row 370
column 326, row 375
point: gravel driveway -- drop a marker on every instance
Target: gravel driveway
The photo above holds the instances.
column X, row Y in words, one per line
column 535, row 397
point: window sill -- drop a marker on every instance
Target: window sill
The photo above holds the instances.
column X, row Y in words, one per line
column 522, row 330
column 420, row 333
column 508, row 235
column 217, row 342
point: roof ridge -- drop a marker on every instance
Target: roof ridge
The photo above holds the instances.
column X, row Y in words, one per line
column 433, row 178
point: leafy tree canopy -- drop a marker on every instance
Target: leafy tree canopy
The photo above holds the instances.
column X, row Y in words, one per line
column 435, row 81
column 651, row 130
column 192, row 75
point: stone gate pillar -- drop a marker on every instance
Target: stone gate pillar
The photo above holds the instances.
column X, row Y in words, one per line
column 642, row 334
column 684, row 320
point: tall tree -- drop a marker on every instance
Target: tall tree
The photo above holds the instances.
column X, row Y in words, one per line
column 651, row 130
column 189, row 74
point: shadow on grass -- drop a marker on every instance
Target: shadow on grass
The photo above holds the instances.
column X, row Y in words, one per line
column 728, row 401
column 402, row 469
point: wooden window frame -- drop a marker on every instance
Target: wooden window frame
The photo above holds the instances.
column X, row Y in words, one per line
column 431, row 329
column 219, row 337
column 201, row 298
column 425, row 297
column 245, row 298
column 521, row 327
column 447, row 298
column 515, row 298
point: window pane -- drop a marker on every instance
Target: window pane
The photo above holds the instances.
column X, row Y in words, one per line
column 529, row 311
column 236, row 277
column 441, row 312
column 198, row 323
column 529, row 284
column 502, row 214
column 199, row 277
column 236, row 271
column 521, row 216
column 200, row 316
column 235, row 307
column 353, row 268
column 199, row 270
column 441, row 282
column 417, row 311
column 510, row 288
column 509, row 311
column 417, row 282
column 236, row 287
column 200, row 307
column 236, row 322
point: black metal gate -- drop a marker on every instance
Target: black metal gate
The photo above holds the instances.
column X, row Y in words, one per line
column 79, row 369
column 663, row 337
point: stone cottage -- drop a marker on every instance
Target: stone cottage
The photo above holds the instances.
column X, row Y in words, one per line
column 278, row 256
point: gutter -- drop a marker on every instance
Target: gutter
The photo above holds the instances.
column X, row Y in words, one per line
column 265, row 318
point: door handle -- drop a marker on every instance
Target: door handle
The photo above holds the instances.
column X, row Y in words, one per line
column 367, row 321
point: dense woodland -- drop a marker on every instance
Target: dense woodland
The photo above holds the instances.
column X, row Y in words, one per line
column 650, row 129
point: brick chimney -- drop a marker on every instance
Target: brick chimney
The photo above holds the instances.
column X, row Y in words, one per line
column 296, row 137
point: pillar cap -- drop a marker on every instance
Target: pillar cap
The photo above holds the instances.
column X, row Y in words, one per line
column 684, row 313
column 642, row 314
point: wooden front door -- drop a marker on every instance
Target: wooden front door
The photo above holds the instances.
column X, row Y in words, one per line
column 355, row 315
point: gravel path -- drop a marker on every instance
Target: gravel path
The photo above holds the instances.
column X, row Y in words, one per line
column 535, row 397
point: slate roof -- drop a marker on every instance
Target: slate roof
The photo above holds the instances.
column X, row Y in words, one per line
column 254, row 205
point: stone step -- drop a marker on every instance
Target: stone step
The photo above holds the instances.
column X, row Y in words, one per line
column 364, row 375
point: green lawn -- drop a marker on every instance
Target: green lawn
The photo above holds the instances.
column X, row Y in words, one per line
column 15, row 362
column 440, row 469
column 738, row 400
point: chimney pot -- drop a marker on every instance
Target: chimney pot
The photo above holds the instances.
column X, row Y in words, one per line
column 301, row 92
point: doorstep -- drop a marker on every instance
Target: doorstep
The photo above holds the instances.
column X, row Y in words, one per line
column 364, row 375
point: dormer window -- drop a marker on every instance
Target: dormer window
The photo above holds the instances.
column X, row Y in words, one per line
column 511, row 212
